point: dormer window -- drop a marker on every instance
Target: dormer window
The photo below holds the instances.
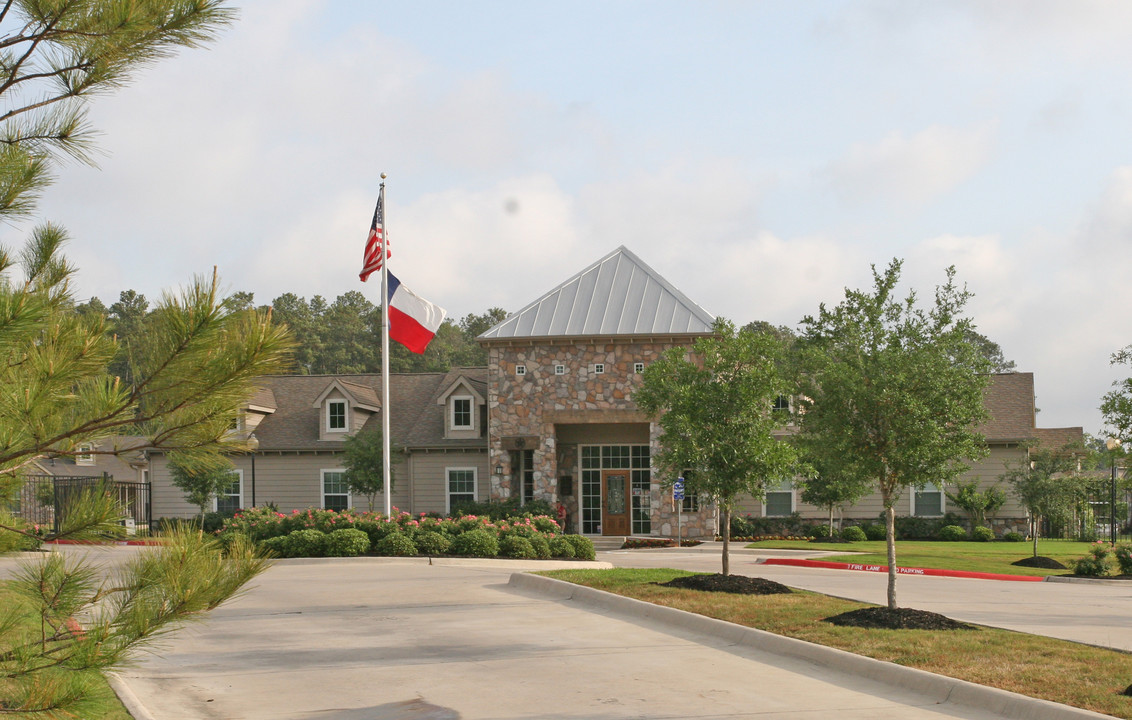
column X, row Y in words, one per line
column 461, row 413
column 85, row 456
column 336, row 416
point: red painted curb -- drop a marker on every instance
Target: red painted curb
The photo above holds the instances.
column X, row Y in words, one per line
column 106, row 542
column 902, row 570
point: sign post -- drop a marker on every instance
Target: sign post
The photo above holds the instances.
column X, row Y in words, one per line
column 678, row 500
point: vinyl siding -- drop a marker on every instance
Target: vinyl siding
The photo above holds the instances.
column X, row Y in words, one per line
column 430, row 486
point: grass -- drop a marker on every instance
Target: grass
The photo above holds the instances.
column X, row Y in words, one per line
column 1033, row 665
column 991, row 557
column 105, row 704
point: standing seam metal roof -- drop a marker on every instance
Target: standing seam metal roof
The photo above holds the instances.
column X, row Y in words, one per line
column 617, row 295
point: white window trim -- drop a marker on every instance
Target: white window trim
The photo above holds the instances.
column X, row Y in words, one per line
column 793, row 498
column 322, row 487
column 345, row 415
column 638, row 368
column 942, row 500
column 448, row 486
column 598, row 368
column 559, row 369
column 471, row 413
column 235, row 471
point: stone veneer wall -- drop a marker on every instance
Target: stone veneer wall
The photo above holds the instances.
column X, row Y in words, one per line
column 531, row 404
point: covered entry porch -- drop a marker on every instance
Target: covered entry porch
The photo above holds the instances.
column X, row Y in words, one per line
column 605, row 477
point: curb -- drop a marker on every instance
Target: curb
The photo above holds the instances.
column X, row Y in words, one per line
column 133, row 705
column 939, row 688
column 105, row 543
column 934, row 572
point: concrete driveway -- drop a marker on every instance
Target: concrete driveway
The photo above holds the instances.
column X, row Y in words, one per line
column 383, row 639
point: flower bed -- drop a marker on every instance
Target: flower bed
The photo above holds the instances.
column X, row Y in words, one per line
column 315, row 533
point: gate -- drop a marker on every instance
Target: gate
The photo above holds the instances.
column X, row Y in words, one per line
column 43, row 499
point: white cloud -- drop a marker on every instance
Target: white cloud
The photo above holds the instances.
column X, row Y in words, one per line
column 912, row 169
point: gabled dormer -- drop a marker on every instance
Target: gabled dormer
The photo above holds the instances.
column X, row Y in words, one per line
column 464, row 404
column 344, row 407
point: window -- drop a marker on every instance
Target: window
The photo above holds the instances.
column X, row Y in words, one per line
column 782, row 403
column 231, row 498
column 527, row 474
column 779, row 500
column 638, row 368
column 461, row 487
column 520, row 369
column 335, row 492
column 599, row 368
column 85, row 455
column 559, row 369
column 927, row 502
column 462, row 413
column 336, row 416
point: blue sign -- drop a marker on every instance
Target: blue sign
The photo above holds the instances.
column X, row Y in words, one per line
column 678, row 489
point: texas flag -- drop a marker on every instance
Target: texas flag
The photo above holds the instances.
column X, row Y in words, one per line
column 413, row 321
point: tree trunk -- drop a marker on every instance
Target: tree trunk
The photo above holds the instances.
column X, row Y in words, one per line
column 890, row 534
column 726, row 512
column 1034, row 532
column 830, row 522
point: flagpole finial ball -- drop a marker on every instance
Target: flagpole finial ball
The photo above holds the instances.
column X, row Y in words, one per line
column 383, row 176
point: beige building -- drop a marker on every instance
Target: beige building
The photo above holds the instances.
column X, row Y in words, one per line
column 551, row 417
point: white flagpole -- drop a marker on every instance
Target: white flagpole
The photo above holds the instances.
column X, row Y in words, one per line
column 385, row 410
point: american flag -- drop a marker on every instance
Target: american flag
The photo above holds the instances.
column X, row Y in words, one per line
column 375, row 243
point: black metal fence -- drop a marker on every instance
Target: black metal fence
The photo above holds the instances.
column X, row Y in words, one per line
column 43, row 499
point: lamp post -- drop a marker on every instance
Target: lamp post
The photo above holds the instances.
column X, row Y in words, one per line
column 253, row 445
column 1112, row 444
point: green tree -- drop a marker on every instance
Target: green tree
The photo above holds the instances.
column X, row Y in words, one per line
column 990, row 351
column 978, row 504
column 201, row 479
column 716, row 419
column 364, row 460
column 127, row 324
column 304, row 321
column 829, row 488
column 892, row 392
column 55, row 390
column 1116, row 406
column 1047, row 483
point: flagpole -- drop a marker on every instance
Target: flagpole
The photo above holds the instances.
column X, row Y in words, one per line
column 386, row 470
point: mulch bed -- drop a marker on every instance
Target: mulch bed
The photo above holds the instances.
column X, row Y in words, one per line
column 899, row 619
column 1045, row 563
column 738, row 584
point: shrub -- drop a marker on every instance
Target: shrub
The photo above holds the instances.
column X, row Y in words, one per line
column 377, row 529
column 476, row 543
column 306, row 543
column 542, row 546
column 277, row 545
column 820, row 531
column 982, row 534
column 952, row 533
column 431, row 542
column 1095, row 564
column 560, row 547
column 583, row 546
column 347, row 542
column 395, row 544
column 875, row 532
column 504, row 509
column 921, row 528
column 1124, row 558
column 515, row 546
column 1013, row 537
column 853, row 534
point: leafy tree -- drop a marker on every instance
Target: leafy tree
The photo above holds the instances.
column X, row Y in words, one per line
column 977, row 504
column 892, row 392
column 989, row 350
column 127, row 324
column 829, row 490
column 716, row 419
column 364, row 460
column 195, row 368
column 200, row 479
column 1116, row 406
column 302, row 318
column 1048, row 485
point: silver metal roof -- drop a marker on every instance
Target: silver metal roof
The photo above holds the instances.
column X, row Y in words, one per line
column 617, row 295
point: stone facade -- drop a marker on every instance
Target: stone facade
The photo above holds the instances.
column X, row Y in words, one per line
column 537, row 387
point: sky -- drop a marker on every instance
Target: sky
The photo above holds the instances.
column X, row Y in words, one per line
column 761, row 156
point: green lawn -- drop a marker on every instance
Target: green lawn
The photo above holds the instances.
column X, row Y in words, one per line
column 1086, row 676
column 992, row 557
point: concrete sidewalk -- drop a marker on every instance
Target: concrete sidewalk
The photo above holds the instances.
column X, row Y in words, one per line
column 382, row 639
